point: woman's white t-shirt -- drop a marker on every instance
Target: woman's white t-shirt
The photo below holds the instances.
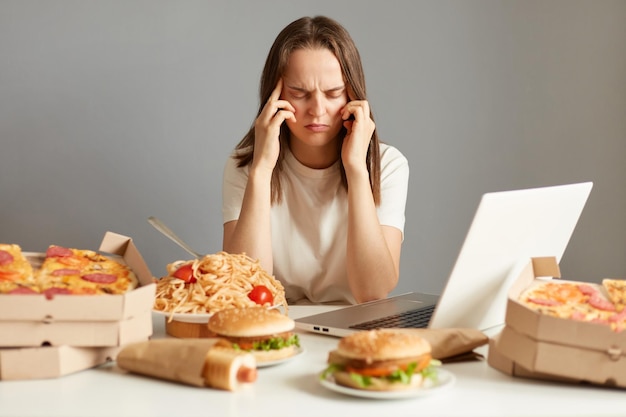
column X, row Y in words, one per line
column 309, row 227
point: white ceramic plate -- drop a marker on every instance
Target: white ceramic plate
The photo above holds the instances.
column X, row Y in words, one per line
column 191, row 317
column 185, row 317
column 265, row 364
column 446, row 380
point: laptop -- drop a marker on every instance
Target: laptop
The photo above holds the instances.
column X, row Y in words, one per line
column 508, row 228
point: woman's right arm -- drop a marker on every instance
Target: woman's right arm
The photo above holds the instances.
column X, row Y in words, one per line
column 251, row 233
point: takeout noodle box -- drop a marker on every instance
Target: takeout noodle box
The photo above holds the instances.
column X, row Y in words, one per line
column 183, row 329
column 538, row 345
column 51, row 361
column 83, row 320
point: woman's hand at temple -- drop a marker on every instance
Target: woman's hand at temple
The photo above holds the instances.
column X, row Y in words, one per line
column 360, row 127
column 267, row 130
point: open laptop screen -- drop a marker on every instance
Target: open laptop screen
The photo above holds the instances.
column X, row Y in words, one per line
column 508, row 228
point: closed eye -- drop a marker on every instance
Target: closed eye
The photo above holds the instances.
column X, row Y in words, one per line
column 300, row 93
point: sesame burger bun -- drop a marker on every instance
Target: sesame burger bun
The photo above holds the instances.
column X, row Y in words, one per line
column 243, row 326
column 381, row 345
column 380, row 349
column 249, row 322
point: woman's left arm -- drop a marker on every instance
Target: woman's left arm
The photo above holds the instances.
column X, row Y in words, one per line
column 373, row 251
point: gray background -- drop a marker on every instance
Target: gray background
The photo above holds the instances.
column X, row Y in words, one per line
column 112, row 111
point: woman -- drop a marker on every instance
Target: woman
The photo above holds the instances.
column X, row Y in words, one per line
column 309, row 191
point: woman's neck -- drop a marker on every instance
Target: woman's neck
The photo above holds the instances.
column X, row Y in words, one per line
column 315, row 157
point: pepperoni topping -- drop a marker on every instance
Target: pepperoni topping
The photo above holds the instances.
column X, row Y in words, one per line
column 587, row 289
column 64, row 272
column 100, row 278
column 51, row 292
column 618, row 316
column 600, row 303
column 58, row 251
column 23, row 290
column 5, row 257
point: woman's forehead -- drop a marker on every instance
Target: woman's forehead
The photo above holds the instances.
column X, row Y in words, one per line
column 313, row 67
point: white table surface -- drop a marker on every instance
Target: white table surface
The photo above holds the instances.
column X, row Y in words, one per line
column 293, row 389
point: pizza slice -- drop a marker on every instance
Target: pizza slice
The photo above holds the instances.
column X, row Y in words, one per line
column 556, row 299
column 109, row 275
column 616, row 289
column 81, row 271
column 578, row 301
column 15, row 270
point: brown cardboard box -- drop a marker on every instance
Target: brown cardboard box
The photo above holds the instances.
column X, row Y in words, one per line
column 76, row 333
column 51, row 361
column 88, row 307
column 498, row 360
column 83, row 320
column 537, row 345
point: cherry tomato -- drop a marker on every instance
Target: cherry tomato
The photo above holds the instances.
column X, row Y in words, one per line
column 261, row 295
column 185, row 273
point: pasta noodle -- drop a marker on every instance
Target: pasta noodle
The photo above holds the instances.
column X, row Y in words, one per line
column 223, row 280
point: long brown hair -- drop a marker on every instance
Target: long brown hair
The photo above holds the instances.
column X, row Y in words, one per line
column 312, row 33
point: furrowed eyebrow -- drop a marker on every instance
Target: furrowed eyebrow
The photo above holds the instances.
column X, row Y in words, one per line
column 330, row 90
column 335, row 89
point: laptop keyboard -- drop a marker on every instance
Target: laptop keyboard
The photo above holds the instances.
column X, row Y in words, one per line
column 408, row 319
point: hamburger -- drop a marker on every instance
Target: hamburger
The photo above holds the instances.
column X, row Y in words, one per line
column 266, row 334
column 382, row 360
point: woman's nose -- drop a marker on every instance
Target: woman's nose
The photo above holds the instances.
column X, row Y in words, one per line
column 317, row 105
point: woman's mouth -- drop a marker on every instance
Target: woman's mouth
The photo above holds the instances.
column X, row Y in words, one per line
column 314, row 127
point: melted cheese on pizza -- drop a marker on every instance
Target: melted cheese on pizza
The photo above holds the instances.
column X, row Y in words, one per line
column 576, row 301
column 64, row 271
column 14, row 267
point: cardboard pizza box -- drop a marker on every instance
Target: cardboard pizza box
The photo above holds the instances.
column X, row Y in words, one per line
column 51, row 361
column 538, row 345
column 83, row 320
column 87, row 307
column 25, row 333
column 499, row 361
column 548, row 360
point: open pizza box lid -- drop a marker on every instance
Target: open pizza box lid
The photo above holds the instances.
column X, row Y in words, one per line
column 88, row 307
column 51, row 361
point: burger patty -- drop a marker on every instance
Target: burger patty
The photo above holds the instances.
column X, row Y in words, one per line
column 335, row 358
column 253, row 339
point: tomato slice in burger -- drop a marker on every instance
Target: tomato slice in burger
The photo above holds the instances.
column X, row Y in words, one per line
column 375, row 372
column 381, row 371
column 260, row 294
column 185, row 273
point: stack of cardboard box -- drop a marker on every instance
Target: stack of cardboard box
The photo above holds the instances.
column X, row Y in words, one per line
column 47, row 338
